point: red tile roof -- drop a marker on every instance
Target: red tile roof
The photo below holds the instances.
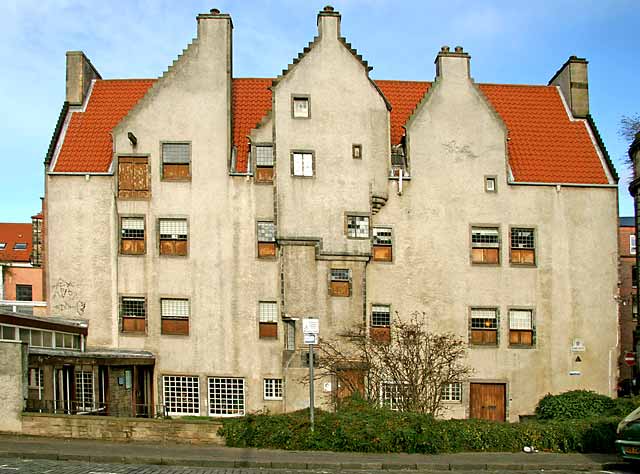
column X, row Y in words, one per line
column 10, row 234
column 87, row 145
column 544, row 146
column 251, row 102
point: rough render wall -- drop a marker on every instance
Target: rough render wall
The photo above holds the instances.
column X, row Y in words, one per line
column 80, row 264
column 13, row 360
column 455, row 141
column 22, row 276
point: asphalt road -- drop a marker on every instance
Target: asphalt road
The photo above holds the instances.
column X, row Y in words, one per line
column 42, row 466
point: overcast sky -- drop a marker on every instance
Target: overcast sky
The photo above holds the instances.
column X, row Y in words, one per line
column 509, row 41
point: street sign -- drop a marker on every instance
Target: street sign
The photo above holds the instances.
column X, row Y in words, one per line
column 310, row 338
column 311, row 326
column 630, row 358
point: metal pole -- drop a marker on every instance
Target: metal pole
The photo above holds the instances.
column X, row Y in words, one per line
column 311, row 393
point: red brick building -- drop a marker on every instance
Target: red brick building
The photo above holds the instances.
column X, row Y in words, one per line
column 628, row 307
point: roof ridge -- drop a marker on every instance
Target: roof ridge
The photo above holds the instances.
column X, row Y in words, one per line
column 131, row 79
column 546, row 86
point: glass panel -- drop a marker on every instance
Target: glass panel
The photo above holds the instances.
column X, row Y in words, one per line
column 9, row 332
column 483, row 237
column 59, row 340
column 68, row 341
column 25, row 335
column 173, row 229
column 174, row 308
column 47, row 339
column 266, row 232
column 36, row 338
column 268, row 312
column 522, row 239
column 175, row 152
column 520, row 319
column 381, row 316
column 264, row 155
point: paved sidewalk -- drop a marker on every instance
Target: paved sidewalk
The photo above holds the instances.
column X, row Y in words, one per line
column 216, row 456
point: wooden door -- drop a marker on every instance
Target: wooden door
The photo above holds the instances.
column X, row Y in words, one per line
column 350, row 382
column 488, row 401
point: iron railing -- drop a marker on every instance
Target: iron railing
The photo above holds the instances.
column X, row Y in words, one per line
column 80, row 407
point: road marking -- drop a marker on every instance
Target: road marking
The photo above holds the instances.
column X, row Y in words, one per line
column 5, row 467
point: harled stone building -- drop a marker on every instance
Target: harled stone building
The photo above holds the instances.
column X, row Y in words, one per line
column 199, row 217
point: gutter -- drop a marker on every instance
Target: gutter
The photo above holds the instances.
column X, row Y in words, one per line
column 571, row 185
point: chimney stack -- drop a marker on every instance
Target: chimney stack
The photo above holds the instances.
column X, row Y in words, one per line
column 80, row 73
column 574, row 84
column 453, row 65
column 328, row 23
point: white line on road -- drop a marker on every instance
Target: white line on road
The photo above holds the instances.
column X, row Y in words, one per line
column 4, row 467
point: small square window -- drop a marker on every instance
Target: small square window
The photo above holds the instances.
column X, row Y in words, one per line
column 485, row 245
column 490, row 184
column 176, row 160
column 132, row 236
column 356, row 152
column 340, row 282
column 266, row 232
column 273, row 389
column 520, row 327
column 173, row 236
column 300, row 107
column 24, row 293
column 174, row 315
column 358, row 227
column 484, row 326
column 523, row 248
column 302, row 164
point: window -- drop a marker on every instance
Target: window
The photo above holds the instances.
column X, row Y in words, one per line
column 268, row 319
column 226, row 396
column 133, row 314
column 452, row 392
column 266, row 239
column 181, row 394
column 490, row 184
column 8, row 333
column 632, row 244
column 176, row 159
column 132, row 241
column 484, row 326
column 173, row 237
column 485, row 245
column 273, row 389
column 300, row 107
column 66, row 341
column 3, row 245
column 291, row 336
column 84, row 390
column 521, row 327
column 356, row 152
column 523, row 249
column 133, row 177
column 24, row 293
column 391, row 395
column 302, row 164
column 264, row 163
column 20, row 246
column 382, row 244
column 174, row 315
column 35, row 378
column 358, row 227
column 380, row 329
column 340, row 282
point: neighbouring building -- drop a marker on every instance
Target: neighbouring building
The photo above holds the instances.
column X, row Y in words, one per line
column 21, row 278
column 628, row 308
column 193, row 220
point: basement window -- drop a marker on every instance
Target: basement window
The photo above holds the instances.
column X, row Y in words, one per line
column 132, row 236
column 181, row 394
column 484, row 326
column 264, row 163
column 174, row 315
column 176, row 161
column 268, row 319
column 226, row 396
column 133, row 314
column 520, row 327
column 266, row 231
column 485, row 245
column 523, row 249
column 173, row 237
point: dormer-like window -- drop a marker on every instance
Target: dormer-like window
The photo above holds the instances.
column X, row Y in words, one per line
column 20, row 246
column 300, row 107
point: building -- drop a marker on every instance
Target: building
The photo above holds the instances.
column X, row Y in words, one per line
column 198, row 217
column 628, row 309
column 21, row 279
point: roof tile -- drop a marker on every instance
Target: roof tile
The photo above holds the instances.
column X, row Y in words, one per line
column 10, row 234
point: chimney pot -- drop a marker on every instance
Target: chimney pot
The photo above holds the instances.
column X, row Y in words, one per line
column 458, row 49
column 445, row 49
column 215, row 11
column 328, row 8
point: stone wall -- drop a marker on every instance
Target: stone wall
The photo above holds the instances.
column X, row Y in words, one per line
column 121, row 429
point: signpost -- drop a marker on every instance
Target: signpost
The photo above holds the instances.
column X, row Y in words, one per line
column 311, row 329
column 630, row 358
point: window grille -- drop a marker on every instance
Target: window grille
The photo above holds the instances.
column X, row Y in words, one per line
column 133, row 307
column 35, row 378
column 303, row 164
column 522, row 239
column 340, row 274
column 452, row 392
column 20, row 246
column 520, row 320
column 273, row 389
column 264, row 155
column 174, row 308
column 380, row 316
column 132, row 228
column 358, row 227
column 179, row 153
column 484, row 237
column 173, row 229
column 226, row 396
column 382, row 236
column 483, row 319
column 84, row 390
column 181, row 394
column 266, row 232
column 300, row 107
column 268, row 312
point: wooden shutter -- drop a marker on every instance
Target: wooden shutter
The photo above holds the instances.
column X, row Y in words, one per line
column 133, row 177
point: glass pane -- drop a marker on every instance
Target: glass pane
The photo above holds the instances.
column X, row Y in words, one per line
column 59, row 340
column 175, row 152
column 36, row 338
column 9, row 332
column 24, row 335
column 47, row 339
column 68, row 341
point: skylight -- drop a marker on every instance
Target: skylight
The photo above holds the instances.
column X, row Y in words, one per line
column 2, row 245
column 20, row 246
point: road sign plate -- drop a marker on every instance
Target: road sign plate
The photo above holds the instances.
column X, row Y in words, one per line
column 630, row 358
column 311, row 326
column 311, row 339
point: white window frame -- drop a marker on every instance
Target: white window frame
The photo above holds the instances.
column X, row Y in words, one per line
column 186, row 391
column 183, row 312
column 85, row 396
column 376, row 308
column 355, row 231
column 632, row 244
column 452, row 392
column 267, row 312
column 390, row 394
column 300, row 113
column 302, row 164
column 220, row 408
column 272, row 389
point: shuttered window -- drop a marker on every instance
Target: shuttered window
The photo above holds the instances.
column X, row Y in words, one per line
column 133, row 178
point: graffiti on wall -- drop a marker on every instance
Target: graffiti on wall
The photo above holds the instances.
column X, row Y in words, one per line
column 66, row 298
